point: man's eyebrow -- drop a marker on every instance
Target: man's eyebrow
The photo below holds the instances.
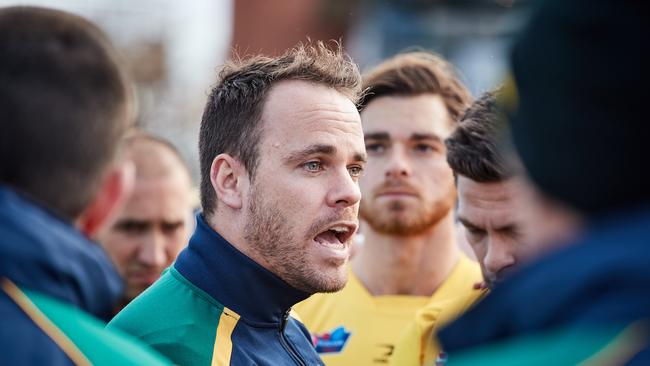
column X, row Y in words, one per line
column 467, row 223
column 129, row 220
column 124, row 222
column 362, row 157
column 425, row 136
column 510, row 228
column 174, row 223
column 320, row 149
column 310, row 150
column 376, row 136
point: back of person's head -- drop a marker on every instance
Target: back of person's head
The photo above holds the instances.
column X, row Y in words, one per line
column 417, row 73
column 472, row 149
column 65, row 104
column 581, row 125
column 232, row 116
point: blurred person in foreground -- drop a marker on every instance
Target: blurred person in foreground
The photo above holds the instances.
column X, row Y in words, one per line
column 65, row 105
column 581, row 134
column 281, row 150
column 155, row 222
column 410, row 257
column 493, row 204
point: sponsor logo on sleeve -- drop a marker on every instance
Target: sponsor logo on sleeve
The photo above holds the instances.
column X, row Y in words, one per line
column 331, row 342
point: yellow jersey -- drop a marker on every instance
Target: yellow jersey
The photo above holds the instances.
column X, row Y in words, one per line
column 417, row 345
column 352, row 327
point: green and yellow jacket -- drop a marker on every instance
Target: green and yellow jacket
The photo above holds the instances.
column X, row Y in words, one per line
column 216, row 306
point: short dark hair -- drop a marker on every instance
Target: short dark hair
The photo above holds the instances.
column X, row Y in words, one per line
column 416, row 73
column 232, row 114
column 473, row 149
column 65, row 102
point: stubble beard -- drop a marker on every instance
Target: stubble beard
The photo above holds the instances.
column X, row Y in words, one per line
column 397, row 221
column 268, row 232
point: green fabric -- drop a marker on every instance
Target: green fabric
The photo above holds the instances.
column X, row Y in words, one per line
column 174, row 317
column 558, row 347
column 100, row 346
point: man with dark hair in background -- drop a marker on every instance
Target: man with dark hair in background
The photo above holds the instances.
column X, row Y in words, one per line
column 281, row 151
column 491, row 193
column 65, row 105
column 486, row 194
column 410, row 257
column 577, row 131
column 154, row 224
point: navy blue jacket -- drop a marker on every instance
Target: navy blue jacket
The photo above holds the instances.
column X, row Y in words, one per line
column 603, row 280
column 43, row 253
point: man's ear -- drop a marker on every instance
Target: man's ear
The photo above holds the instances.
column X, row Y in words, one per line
column 228, row 177
column 115, row 188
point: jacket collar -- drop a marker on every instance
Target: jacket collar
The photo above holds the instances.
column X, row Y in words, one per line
column 45, row 253
column 236, row 281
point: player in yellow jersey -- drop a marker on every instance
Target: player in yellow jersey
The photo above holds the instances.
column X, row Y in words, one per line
column 410, row 258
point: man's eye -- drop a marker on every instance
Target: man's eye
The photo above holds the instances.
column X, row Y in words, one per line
column 313, row 166
column 475, row 232
column 375, row 148
column 355, row 171
column 423, row 148
column 132, row 228
column 170, row 228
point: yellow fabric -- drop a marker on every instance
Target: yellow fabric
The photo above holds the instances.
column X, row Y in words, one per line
column 223, row 342
column 416, row 345
column 376, row 322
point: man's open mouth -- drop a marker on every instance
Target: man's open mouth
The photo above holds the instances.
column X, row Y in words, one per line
column 336, row 235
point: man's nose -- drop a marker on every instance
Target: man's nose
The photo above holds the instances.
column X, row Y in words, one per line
column 344, row 192
column 498, row 257
column 152, row 250
column 398, row 163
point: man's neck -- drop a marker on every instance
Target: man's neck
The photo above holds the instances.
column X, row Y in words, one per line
column 407, row 265
column 229, row 227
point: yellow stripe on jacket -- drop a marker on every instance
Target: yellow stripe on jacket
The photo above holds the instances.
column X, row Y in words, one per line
column 223, row 341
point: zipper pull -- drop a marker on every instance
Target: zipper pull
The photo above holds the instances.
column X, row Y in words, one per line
column 285, row 319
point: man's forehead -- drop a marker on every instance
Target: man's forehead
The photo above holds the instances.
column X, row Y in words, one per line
column 406, row 115
column 153, row 159
column 173, row 184
column 153, row 197
column 494, row 203
column 304, row 101
column 507, row 190
column 165, row 208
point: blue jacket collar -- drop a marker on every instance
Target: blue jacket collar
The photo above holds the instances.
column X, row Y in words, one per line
column 233, row 279
column 44, row 253
column 601, row 279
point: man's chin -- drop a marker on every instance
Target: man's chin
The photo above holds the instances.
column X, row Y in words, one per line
column 335, row 286
column 398, row 227
column 402, row 223
column 491, row 282
column 325, row 283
